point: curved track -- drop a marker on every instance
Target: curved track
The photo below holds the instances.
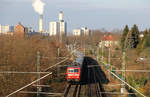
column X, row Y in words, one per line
column 93, row 78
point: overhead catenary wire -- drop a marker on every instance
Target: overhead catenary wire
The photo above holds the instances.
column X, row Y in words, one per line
column 28, row 85
column 60, row 61
column 37, row 79
column 114, row 85
column 26, row 92
column 41, row 85
column 124, row 70
column 116, row 93
column 56, row 64
column 40, row 78
column 134, row 71
column 127, row 83
column 15, row 72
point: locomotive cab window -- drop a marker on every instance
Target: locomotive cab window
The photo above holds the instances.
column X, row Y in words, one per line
column 71, row 70
column 76, row 70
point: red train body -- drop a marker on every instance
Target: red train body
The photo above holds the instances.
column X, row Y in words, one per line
column 73, row 74
column 74, row 70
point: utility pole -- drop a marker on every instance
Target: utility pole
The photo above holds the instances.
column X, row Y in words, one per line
column 126, row 46
column 123, row 73
column 97, row 55
column 109, row 66
column 102, row 52
column 60, row 37
column 58, row 52
column 84, row 45
column 38, row 70
column 58, row 68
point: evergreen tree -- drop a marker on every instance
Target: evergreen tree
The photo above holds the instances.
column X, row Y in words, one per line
column 146, row 42
column 135, row 36
column 124, row 34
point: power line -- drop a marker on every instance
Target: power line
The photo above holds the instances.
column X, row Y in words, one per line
column 15, row 72
column 29, row 92
column 56, row 64
column 113, row 85
column 116, row 93
column 41, row 85
column 28, row 85
column 134, row 70
column 41, row 77
column 127, row 83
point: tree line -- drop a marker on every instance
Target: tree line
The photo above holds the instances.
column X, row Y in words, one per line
column 133, row 38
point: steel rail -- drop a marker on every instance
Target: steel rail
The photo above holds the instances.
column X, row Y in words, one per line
column 96, row 87
column 89, row 86
column 67, row 90
column 75, row 91
column 98, row 74
column 101, row 90
column 79, row 91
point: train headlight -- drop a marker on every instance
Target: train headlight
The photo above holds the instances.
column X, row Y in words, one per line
column 70, row 74
column 76, row 74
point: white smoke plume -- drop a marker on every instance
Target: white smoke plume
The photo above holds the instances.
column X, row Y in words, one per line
column 38, row 6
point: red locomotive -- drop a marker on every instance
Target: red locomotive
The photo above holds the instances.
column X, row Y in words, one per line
column 74, row 70
column 73, row 74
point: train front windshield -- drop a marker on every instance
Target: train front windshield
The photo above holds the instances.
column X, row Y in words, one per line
column 73, row 70
column 76, row 70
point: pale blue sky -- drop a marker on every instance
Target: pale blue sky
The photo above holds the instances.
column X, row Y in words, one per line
column 95, row 14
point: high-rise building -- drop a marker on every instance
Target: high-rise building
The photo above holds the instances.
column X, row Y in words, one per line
column 29, row 30
column 82, row 31
column 60, row 27
column 77, row 32
column 62, row 24
column 86, row 31
column 54, row 28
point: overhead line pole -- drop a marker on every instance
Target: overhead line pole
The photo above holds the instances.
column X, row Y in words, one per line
column 123, row 72
column 109, row 61
column 38, row 70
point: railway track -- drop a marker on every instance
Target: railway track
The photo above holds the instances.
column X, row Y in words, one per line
column 93, row 83
column 74, row 89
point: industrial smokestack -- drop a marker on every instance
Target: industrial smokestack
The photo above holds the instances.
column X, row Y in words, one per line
column 38, row 6
column 41, row 24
